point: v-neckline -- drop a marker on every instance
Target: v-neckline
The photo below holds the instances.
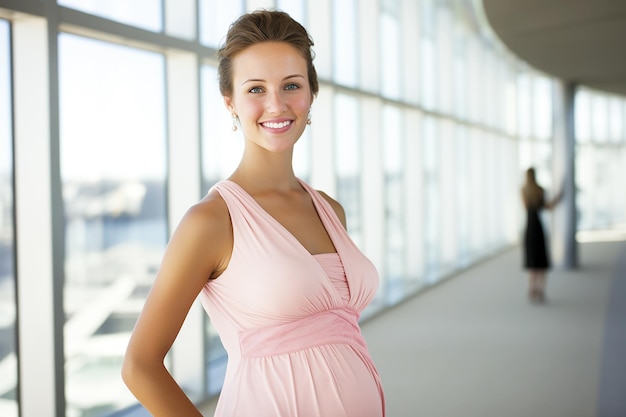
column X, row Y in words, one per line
column 278, row 224
column 326, row 223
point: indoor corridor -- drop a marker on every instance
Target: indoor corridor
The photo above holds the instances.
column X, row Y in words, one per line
column 474, row 346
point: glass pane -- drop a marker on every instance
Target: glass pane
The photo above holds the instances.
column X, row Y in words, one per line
column 582, row 116
column 510, row 103
column 181, row 18
column 616, row 117
column 221, row 147
column 623, row 138
column 443, row 54
column 599, row 163
column 390, row 62
column 345, row 42
column 8, row 359
column 302, row 155
column 347, row 162
column 475, row 77
column 599, row 118
column 476, row 160
column 463, row 194
column 460, row 74
column 584, row 186
column 524, row 115
column 215, row 18
column 616, row 212
column 113, row 167
column 295, row 8
column 448, row 228
column 431, row 198
column 542, row 109
column 395, row 255
column 146, row 14
column 427, row 74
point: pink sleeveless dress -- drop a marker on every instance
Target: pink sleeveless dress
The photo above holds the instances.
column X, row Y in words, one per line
column 289, row 319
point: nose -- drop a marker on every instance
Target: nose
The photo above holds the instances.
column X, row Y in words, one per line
column 275, row 103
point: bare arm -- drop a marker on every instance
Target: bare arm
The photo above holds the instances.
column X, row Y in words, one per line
column 197, row 249
column 552, row 203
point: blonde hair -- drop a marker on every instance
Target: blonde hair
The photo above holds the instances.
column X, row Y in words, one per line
column 532, row 193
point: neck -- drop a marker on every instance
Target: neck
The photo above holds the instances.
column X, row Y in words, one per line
column 268, row 172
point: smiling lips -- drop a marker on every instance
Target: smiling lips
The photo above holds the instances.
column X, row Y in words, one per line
column 277, row 125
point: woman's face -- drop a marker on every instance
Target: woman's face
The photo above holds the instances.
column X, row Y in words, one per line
column 271, row 95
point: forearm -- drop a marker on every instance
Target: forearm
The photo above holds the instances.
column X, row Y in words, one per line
column 158, row 392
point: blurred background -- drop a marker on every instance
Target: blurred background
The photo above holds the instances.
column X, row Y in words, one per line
column 111, row 125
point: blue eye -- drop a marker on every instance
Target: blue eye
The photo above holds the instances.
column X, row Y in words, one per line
column 255, row 90
column 292, row 86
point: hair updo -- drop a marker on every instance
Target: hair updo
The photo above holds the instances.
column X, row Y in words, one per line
column 263, row 26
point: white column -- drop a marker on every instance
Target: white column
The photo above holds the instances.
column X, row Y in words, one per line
column 184, row 189
column 563, row 246
column 40, row 369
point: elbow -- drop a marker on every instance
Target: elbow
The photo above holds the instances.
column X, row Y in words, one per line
column 131, row 372
column 128, row 371
column 138, row 368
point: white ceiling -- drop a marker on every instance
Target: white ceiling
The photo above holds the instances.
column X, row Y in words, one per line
column 582, row 41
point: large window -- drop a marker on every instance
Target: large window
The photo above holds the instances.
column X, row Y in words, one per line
column 600, row 156
column 8, row 360
column 113, row 172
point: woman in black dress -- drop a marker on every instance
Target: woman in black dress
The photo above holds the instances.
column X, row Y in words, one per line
column 536, row 258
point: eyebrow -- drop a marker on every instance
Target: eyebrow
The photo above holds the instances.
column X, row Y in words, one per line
column 256, row 80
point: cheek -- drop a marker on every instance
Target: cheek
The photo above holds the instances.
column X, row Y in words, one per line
column 302, row 104
column 249, row 109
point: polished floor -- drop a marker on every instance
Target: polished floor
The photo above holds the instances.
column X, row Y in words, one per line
column 475, row 346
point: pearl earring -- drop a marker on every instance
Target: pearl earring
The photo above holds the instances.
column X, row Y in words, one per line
column 308, row 120
column 235, row 117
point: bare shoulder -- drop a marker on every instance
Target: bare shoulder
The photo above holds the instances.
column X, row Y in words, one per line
column 208, row 216
column 206, row 226
column 212, row 208
column 337, row 207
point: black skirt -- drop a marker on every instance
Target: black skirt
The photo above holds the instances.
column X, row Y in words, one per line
column 535, row 250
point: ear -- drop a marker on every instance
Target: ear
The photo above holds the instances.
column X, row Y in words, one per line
column 228, row 102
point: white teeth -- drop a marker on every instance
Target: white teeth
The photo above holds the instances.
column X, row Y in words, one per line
column 277, row 125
